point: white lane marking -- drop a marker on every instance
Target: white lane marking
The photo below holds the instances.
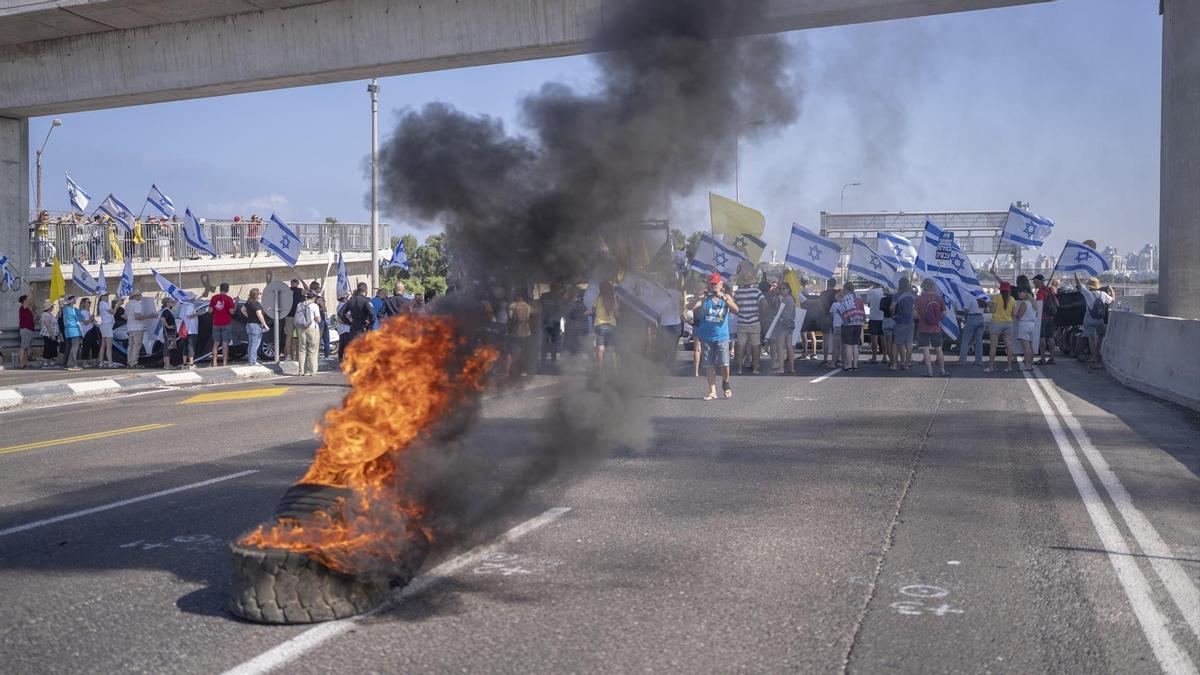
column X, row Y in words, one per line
column 826, row 376
column 187, row 377
column 108, row 399
column 1155, row 626
column 10, row 398
column 124, row 502
column 1179, row 586
column 312, row 638
column 94, row 386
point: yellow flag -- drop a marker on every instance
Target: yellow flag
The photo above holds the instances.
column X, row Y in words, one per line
column 137, row 231
column 742, row 226
column 793, row 281
column 114, row 245
column 58, row 287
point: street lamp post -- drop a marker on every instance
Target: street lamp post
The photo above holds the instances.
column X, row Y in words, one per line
column 38, row 162
column 373, row 89
column 737, row 159
column 842, row 208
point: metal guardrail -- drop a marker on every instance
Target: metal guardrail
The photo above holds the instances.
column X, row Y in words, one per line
column 69, row 239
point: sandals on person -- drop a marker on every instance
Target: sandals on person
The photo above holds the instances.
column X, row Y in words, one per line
column 725, row 389
column 710, row 396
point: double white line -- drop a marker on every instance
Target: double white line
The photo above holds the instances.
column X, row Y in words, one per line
column 1183, row 592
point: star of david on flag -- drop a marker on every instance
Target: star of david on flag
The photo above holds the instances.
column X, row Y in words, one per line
column 1026, row 229
column 1079, row 257
column 118, row 212
column 79, row 198
column 809, row 251
column 193, row 234
column 895, row 249
column 160, row 201
column 714, row 256
column 399, row 256
column 866, row 263
column 281, row 240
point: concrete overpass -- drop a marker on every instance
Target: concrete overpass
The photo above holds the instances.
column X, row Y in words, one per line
column 72, row 55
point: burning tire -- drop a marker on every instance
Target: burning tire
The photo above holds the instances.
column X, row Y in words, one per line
column 272, row 585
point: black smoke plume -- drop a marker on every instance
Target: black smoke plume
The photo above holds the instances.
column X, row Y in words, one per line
column 675, row 87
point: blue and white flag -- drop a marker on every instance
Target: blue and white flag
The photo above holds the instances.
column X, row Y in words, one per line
column 813, row 252
column 343, row 279
column 955, row 299
column 160, row 201
column 9, row 279
column 101, row 284
column 1026, row 229
column 281, row 240
column 399, row 256
column 125, row 288
column 1079, row 257
column 897, row 250
column 118, row 212
column 84, row 279
column 961, row 270
column 644, row 295
column 870, row 265
column 79, row 198
column 926, row 261
column 193, row 234
column 171, row 289
column 715, row 256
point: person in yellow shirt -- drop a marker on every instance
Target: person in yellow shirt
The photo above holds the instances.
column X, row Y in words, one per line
column 1002, row 325
column 605, row 311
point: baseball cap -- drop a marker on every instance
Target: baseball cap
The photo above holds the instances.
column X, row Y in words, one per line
column 1005, row 286
column 1039, row 277
column 310, row 294
column 714, row 278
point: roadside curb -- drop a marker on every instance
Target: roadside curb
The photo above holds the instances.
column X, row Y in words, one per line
column 60, row 391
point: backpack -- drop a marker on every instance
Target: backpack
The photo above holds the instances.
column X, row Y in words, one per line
column 304, row 317
column 885, row 306
column 1098, row 310
column 931, row 313
column 1050, row 304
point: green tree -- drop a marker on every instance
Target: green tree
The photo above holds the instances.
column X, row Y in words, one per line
column 427, row 265
column 693, row 242
column 678, row 241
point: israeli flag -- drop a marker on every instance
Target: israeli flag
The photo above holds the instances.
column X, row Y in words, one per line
column 926, row 261
column 644, row 295
column 813, row 252
column 193, row 234
column 79, row 198
column 1026, row 229
column 171, row 289
column 281, row 240
column 125, row 288
column 870, row 265
column 399, row 256
column 1079, row 257
column 343, row 279
column 118, row 212
column 897, row 250
column 84, row 279
column 160, row 201
column 9, row 279
column 101, row 284
column 955, row 299
column 961, row 270
column 714, row 256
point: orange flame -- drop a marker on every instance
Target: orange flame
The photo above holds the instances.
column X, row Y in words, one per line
column 405, row 377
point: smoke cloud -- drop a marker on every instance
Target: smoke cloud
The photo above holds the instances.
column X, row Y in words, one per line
column 540, row 207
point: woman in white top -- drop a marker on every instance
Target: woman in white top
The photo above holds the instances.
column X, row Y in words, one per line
column 104, row 311
column 49, row 333
column 1025, row 315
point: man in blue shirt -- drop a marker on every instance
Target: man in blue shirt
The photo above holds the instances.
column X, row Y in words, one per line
column 713, row 308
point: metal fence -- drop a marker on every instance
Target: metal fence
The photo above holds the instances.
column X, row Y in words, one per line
column 162, row 240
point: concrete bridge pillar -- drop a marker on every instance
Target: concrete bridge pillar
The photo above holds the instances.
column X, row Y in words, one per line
column 1179, row 211
column 14, row 209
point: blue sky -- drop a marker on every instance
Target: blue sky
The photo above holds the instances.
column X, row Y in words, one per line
column 1055, row 104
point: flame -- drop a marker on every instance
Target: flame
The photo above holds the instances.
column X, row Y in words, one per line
column 404, row 378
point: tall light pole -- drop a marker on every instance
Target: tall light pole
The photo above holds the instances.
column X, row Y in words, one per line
column 373, row 89
column 38, row 198
column 842, row 208
column 737, row 159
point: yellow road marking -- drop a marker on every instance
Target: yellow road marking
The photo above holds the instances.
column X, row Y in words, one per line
column 236, row 395
column 82, row 437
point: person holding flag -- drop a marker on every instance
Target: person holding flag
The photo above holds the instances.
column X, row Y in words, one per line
column 713, row 333
column 930, row 308
column 1095, row 316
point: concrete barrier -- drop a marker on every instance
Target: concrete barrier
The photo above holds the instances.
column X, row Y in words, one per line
column 1156, row 355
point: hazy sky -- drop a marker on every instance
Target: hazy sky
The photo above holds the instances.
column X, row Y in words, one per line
column 1055, row 104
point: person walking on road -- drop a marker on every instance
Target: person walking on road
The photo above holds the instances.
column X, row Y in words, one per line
column 256, row 325
column 930, row 308
column 72, row 333
column 1003, row 305
column 358, row 313
column 221, row 306
column 27, row 328
column 712, row 332
column 49, row 332
column 308, row 333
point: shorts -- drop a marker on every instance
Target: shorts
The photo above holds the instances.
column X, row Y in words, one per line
column 289, row 324
column 26, row 338
column 1095, row 330
column 222, row 335
column 999, row 329
column 875, row 327
column 1048, row 329
column 825, row 327
column 106, row 331
column 749, row 336
column 852, row 335
column 714, row 354
column 1027, row 332
column 889, row 327
column 931, row 340
column 606, row 335
column 903, row 334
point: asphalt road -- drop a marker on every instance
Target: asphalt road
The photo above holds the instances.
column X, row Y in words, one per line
column 863, row 522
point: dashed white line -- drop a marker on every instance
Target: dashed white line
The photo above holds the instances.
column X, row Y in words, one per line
column 123, row 502
column 1154, row 625
column 1179, row 586
column 312, row 638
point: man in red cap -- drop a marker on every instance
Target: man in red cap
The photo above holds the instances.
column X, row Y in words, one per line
column 712, row 332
